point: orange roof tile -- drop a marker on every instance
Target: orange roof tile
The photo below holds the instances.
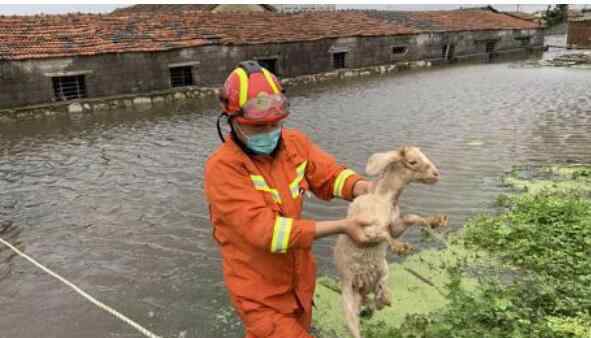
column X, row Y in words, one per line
column 44, row 36
column 456, row 20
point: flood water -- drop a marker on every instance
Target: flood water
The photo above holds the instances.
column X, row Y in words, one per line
column 114, row 203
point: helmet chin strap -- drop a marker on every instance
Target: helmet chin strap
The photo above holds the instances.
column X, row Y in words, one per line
column 219, row 127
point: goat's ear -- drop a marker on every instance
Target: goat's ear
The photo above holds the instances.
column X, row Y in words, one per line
column 377, row 163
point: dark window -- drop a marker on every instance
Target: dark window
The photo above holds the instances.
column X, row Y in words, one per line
column 69, row 87
column 181, row 76
column 338, row 60
column 269, row 64
column 490, row 46
column 524, row 40
column 398, row 50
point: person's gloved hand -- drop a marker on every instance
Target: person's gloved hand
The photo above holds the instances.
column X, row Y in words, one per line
column 356, row 230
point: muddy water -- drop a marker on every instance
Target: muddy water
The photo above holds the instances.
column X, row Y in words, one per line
column 114, row 203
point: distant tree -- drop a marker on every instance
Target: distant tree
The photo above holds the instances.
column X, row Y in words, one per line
column 556, row 15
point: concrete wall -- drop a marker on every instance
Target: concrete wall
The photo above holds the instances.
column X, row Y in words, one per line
column 178, row 98
column 579, row 34
column 29, row 82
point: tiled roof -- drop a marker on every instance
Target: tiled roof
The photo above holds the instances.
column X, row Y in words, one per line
column 456, row 20
column 174, row 8
column 162, row 8
column 24, row 37
column 522, row 15
column 44, row 36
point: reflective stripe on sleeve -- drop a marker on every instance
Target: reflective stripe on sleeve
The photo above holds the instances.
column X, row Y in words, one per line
column 340, row 182
column 281, row 233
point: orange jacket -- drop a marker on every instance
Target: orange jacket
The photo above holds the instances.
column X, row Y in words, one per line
column 255, row 204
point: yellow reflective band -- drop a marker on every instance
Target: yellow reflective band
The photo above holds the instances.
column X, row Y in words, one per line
column 281, row 233
column 294, row 186
column 301, row 169
column 270, row 80
column 340, row 182
column 276, row 196
column 260, row 184
column 243, row 85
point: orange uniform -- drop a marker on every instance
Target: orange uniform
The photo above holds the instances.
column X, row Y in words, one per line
column 255, row 205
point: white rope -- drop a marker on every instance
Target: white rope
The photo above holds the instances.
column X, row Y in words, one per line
column 96, row 302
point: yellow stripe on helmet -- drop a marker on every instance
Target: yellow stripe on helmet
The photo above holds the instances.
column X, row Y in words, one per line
column 243, row 85
column 270, row 80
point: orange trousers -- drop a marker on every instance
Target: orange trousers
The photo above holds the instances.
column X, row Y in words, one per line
column 266, row 322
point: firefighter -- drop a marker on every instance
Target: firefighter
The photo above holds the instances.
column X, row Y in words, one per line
column 254, row 184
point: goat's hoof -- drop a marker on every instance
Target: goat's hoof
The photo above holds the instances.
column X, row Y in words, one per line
column 383, row 301
column 382, row 306
column 439, row 221
column 403, row 249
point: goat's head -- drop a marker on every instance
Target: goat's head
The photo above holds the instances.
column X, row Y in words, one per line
column 410, row 159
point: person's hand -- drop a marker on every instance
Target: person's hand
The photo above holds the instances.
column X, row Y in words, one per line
column 362, row 187
column 355, row 228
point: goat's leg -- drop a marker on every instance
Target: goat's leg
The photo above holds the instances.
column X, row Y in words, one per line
column 400, row 248
column 382, row 294
column 433, row 222
column 352, row 304
column 397, row 228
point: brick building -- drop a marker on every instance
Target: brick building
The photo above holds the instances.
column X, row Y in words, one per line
column 51, row 58
column 579, row 33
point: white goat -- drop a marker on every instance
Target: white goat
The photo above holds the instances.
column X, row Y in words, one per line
column 364, row 271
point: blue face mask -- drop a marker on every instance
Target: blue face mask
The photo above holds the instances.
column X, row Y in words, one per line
column 264, row 143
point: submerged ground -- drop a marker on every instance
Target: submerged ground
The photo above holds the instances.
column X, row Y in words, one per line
column 115, row 203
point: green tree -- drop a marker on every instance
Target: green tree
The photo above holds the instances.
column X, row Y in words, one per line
column 556, row 15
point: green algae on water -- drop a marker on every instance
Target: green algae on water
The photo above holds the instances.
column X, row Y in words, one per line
column 418, row 286
column 553, row 178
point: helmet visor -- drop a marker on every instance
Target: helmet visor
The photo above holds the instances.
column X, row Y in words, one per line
column 264, row 108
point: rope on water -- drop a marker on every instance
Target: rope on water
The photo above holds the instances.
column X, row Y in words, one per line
column 96, row 302
column 424, row 280
column 435, row 235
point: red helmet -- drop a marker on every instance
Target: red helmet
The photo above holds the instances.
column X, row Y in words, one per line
column 253, row 95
